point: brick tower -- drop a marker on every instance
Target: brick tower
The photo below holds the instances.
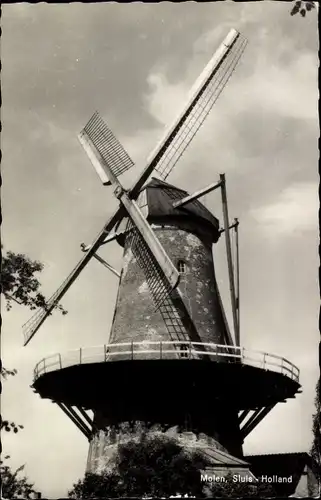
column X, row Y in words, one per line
column 159, row 403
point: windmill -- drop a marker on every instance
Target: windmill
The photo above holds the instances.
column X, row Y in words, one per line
column 171, row 363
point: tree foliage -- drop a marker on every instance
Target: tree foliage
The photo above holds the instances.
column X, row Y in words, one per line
column 231, row 489
column 10, row 426
column 13, row 485
column 103, row 485
column 153, row 466
column 19, row 282
column 302, row 7
column 316, row 429
column 5, row 372
column 160, row 467
column 5, row 424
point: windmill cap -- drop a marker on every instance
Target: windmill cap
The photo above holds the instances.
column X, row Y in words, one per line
column 159, row 200
column 156, row 202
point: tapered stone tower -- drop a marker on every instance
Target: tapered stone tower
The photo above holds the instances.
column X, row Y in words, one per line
column 167, row 397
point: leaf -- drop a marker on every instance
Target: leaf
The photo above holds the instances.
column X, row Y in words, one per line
column 20, row 282
column 296, row 8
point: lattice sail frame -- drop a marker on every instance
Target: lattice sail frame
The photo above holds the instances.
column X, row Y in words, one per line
column 109, row 148
column 157, row 283
column 201, row 109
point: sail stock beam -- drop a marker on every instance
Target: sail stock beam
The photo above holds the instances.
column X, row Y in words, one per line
column 181, row 203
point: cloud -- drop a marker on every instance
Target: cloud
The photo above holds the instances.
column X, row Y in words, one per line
column 271, row 96
column 164, row 98
column 272, row 88
column 294, row 211
column 271, row 78
column 162, row 101
column 288, row 90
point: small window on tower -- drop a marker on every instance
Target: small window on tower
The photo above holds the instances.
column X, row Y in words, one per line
column 181, row 267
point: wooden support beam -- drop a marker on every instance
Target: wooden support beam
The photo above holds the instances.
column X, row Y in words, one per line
column 81, row 422
column 236, row 225
column 108, row 266
column 113, row 237
column 196, row 195
column 85, row 416
column 229, row 257
column 255, row 420
column 243, row 415
column 227, row 332
column 109, row 238
column 75, row 419
column 247, row 428
column 252, row 418
column 102, row 261
column 230, row 227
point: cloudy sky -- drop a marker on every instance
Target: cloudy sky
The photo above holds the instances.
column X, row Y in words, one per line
column 135, row 64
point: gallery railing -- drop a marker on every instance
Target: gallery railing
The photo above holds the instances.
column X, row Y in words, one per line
column 167, row 350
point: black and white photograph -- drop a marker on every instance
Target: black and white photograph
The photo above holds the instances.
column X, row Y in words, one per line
column 159, row 282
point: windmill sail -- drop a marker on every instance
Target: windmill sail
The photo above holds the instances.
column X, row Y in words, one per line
column 109, row 148
column 34, row 323
column 179, row 134
column 155, row 278
column 206, row 100
column 158, row 284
